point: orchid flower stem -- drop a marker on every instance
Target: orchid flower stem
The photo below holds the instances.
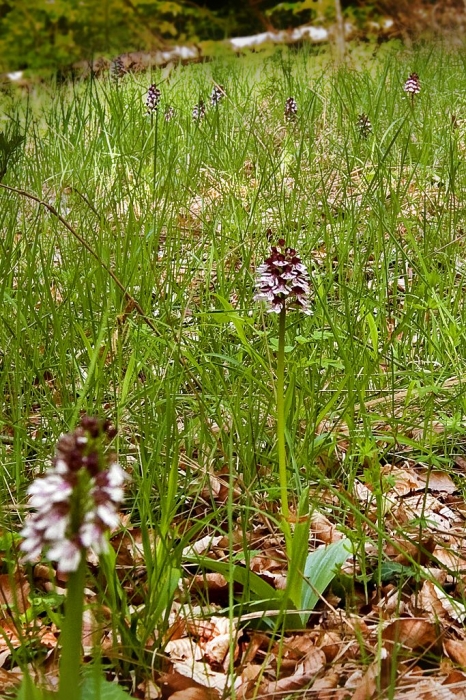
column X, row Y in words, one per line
column 281, row 429
column 70, row 662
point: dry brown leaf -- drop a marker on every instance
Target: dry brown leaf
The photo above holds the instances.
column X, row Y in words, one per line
column 248, row 680
column 434, row 600
column 429, row 689
column 312, row 663
column 9, row 637
column 411, row 549
column 129, row 547
column 171, row 683
column 290, row 684
column 428, row 600
column 405, row 480
column 207, row 629
column 48, row 635
column 201, row 672
column 184, row 650
column 330, row 643
column 201, row 546
column 217, row 649
column 379, row 675
column 450, row 558
column 192, row 694
column 428, row 507
column 9, row 680
column 460, row 462
column 14, row 591
column 329, row 681
column 456, row 651
column 150, row 690
column 437, row 481
column 298, row 646
column 411, row 633
column 192, row 657
column 367, row 686
column 324, row 530
column 457, row 681
column 91, row 630
column 419, row 434
column 213, row 586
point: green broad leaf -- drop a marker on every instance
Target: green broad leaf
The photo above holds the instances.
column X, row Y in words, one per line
column 393, row 571
column 321, row 567
column 97, row 688
column 273, row 342
column 299, row 551
column 259, row 588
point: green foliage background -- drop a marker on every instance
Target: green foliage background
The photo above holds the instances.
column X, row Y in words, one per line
column 53, row 34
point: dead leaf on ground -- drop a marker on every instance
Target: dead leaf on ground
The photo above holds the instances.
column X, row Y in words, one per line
column 437, row 481
column 277, row 690
column 411, row 633
column 434, row 600
column 323, row 529
column 14, row 591
column 192, row 694
column 10, row 680
column 179, row 684
column 456, row 651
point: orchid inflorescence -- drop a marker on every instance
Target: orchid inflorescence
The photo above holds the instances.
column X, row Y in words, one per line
column 413, row 85
column 199, row 111
column 218, row 93
column 153, row 99
column 291, row 109
column 364, row 125
column 117, row 69
column 282, row 281
column 169, row 113
column 76, row 501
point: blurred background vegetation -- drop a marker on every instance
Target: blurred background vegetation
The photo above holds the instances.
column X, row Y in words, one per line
column 55, row 34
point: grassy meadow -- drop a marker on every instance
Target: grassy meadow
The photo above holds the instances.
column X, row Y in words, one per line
column 129, row 248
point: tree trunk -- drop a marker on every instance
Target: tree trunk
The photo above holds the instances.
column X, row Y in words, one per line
column 340, row 32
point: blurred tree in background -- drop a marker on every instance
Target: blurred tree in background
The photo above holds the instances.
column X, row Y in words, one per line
column 52, row 34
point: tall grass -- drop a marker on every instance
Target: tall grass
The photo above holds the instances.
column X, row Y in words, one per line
column 179, row 212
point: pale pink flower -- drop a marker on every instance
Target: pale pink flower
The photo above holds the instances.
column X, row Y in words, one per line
column 413, row 85
column 282, row 281
column 76, row 502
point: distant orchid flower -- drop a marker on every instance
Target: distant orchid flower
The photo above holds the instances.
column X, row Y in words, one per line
column 364, row 125
column 291, row 109
column 117, row 69
column 218, row 93
column 76, row 502
column 282, row 281
column 413, row 85
column 169, row 113
column 153, row 99
column 199, row 111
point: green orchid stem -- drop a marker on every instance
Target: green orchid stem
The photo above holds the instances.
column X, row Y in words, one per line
column 70, row 662
column 281, row 430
